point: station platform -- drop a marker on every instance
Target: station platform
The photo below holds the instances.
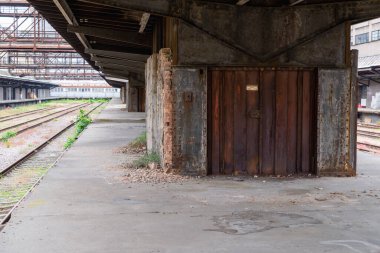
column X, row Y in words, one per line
column 82, row 205
column 21, row 102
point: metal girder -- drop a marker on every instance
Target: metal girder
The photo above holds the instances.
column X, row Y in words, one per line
column 46, row 66
column 118, row 55
column 117, row 35
column 127, row 63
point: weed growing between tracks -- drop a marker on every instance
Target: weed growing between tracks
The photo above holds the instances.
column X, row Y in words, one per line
column 6, row 136
column 83, row 121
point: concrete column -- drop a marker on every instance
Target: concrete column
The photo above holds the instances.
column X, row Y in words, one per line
column 1, row 93
column 18, row 93
column 123, row 94
column 132, row 96
column 8, row 93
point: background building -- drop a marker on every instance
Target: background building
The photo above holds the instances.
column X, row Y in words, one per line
column 365, row 37
column 84, row 89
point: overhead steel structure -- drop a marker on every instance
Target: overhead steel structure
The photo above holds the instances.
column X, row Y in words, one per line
column 28, row 47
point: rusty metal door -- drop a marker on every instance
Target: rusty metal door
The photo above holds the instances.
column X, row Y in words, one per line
column 261, row 121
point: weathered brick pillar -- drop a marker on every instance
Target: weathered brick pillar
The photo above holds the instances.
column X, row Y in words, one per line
column 165, row 70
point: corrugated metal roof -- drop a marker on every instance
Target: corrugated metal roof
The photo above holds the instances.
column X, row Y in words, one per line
column 369, row 61
column 15, row 79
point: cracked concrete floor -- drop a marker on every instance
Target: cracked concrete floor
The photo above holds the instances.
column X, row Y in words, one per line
column 204, row 215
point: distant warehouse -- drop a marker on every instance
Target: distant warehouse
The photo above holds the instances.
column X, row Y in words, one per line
column 18, row 88
column 84, row 89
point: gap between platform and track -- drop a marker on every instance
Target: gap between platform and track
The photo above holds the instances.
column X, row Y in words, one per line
column 5, row 218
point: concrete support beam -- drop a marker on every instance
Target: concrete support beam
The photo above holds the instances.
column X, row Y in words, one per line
column 123, row 74
column 206, row 17
column 127, row 63
column 131, row 97
column 144, row 21
column 119, row 67
column 118, row 55
column 123, row 36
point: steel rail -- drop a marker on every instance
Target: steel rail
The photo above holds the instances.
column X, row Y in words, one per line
column 35, row 119
column 19, row 115
column 368, row 145
column 366, row 125
column 50, row 119
column 368, row 133
column 30, row 154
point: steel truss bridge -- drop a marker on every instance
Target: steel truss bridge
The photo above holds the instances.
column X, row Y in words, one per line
column 30, row 47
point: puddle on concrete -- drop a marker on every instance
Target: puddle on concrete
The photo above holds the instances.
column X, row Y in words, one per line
column 242, row 223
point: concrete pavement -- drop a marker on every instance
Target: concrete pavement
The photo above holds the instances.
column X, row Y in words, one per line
column 83, row 206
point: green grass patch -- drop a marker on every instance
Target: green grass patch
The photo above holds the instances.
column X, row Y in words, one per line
column 98, row 100
column 7, row 135
column 83, row 121
column 139, row 142
column 146, row 159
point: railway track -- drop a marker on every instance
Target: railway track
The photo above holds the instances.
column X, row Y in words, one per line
column 47, row 117
column 368, row 134
column 368, row 137
column 20, row 115
column 20, row 178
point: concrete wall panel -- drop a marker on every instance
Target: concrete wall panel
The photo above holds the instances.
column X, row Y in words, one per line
column 190, row 89
column 334, row 112
column 284, row 37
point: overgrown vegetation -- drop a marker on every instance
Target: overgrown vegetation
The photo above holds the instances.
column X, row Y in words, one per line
column 6, row 136
column 146, row 159
column 139, row 142
column 98, row 100
column 83, row 121
column 137, row 146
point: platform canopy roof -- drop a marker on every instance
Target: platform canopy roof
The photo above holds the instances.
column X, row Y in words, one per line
column 17, row 82
column 116, row 36
column 369, row 69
